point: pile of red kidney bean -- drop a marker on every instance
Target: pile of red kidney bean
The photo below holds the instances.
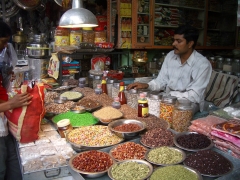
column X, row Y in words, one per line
column 127, row 127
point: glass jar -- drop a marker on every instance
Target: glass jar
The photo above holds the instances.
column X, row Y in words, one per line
column 166, row 108
column 88, row 35
column 64, row 127
column 154, row 100
column 61, row 37
column 213, row 62
column 96, row 80
column 143, row 110
column 132, row 98
column 110, row 86
column 227, row 65
column 90, row 80
column 75, row 36
column 115, row 89
column 220, row 63
column 182, row 116
column 116, row 104
column 236, row 66
column 98, row 89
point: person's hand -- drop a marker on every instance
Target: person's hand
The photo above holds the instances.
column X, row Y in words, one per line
column 137, row 85
column 20, row 100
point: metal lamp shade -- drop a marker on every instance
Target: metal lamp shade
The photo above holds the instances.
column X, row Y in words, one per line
column 78, row 17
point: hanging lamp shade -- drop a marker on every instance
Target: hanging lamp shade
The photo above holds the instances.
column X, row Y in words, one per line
column 78, row 17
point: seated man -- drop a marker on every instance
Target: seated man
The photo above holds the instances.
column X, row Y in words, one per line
column 185, row 73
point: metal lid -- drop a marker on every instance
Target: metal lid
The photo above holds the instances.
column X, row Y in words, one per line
column 212, row 58
column 97, row 77
column 228, row 60
column 237, row 60
column 184, row 106
column 237, row 74
column 63, row 123
column 155, row 95
column 169, row 99
column 133, row 91
column 117, row 84
column 220, row 59
column 111, row 81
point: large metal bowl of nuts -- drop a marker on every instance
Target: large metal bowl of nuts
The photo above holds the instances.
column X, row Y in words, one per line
column 91, row 164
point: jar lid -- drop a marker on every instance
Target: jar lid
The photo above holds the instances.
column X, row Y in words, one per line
column 132, row 91
column 169, row 99
column 63, row 123
column 237, row 60
column 87, row 28
column 220, row 59
column 228, row 59
column 237, row 74
column 212, row 58
column 111, row 81
column 184, row 107
column 116, row 84
column 155, row 95
column 97, row 77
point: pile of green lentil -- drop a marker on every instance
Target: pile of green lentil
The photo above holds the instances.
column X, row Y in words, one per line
column 175, row 172
column 77, row 120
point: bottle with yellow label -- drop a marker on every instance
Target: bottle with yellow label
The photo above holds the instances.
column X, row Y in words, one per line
column 142, row 105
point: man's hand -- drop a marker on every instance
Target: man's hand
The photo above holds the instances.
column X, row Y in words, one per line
column 20, row 100
column 137, row 85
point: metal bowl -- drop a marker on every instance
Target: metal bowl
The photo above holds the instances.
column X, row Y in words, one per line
column 187, row 149
column 133, row 160
column 107, row 121
column 60, row 100
column 88, row 174
column 78, row 109
column 80, row 95
column 81, row 147
column 126, row 135
column 173, row 148
column 199, row 176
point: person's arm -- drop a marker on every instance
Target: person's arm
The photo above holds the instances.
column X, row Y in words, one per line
column 195, row 90
column 18, row 100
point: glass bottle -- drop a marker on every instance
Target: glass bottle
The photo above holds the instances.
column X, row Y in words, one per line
column 236, row 66
column 213, row 62
column 220, row 63
column 121, row 94
column 166, row 108
column 116, row 104
column 154, row 100
column 142, row 106
column 104, row 86
column 98, row 90
column 182, row 116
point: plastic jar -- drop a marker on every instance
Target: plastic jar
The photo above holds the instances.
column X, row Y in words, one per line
column 98, row 89
column 115, row 89
column 100, row 36
column 110, row 86
column 116, row 104
column 75, row 36
column 220, row 63
column 132, row 98
column 166, row 108
column 182, row 116
column 227, row 65
column 143, row 110
column 61, row 37
column 154, row 100
column 88, row 35
column 64, row 127
column 96, row 80
column 236, row 66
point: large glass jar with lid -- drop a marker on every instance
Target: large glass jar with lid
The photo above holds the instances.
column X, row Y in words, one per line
column 154, row 100
column 236, row 66
column 219, row 64
column 227, row 65
column 182, row 115
column 166, row 108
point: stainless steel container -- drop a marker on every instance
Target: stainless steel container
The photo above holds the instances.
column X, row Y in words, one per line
column 38, row 47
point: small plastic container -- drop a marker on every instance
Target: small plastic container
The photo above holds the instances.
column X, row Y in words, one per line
column 64, row 127
column 116, row 104
column 98, row 89
column 166, row 108
column 182, row 116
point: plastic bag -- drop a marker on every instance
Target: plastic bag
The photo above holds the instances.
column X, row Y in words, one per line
column 8, row 60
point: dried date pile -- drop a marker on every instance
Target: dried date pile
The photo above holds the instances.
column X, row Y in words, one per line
column 92, row 161
column 157, row 137
column 208, row 162
column 194, row 141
